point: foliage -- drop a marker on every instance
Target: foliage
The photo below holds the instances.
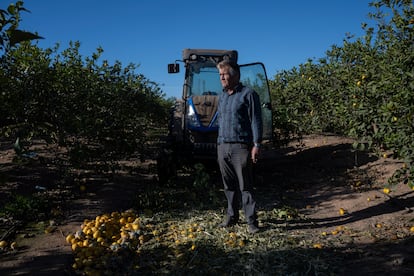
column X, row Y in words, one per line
column 362, row 89
column 95, row 109
column 25, row 208
column 10, row 35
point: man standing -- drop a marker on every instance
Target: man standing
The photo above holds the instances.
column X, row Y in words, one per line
column 238, row 143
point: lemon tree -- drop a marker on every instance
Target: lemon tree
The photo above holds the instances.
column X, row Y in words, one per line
column 363, row 89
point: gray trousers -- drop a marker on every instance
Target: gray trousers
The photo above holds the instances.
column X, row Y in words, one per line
column 236, row 170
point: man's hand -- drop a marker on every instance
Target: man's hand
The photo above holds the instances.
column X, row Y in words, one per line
column 255, row 154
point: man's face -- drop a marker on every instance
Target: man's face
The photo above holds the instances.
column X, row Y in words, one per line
column 227, row 80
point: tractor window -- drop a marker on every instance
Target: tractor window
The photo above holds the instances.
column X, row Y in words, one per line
column 204, row 81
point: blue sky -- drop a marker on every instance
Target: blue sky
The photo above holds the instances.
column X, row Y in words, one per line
column 153, row 33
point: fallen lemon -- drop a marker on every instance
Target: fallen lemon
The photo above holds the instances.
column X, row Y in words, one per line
column 3, row 244
column 342, row 211
column 412, row 229
column 317, row 245
column 69, row 238
column 386, row 191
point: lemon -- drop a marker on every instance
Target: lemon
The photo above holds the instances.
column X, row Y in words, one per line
column 97, row 234
column 317, row 246
column 342, row 211
column 412, row 229
column 122, row 221
column 85, row 243
column 69, row 238
column 386, row 191
column 3, row 244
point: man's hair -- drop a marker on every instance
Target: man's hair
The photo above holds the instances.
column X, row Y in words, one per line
column 234, row 67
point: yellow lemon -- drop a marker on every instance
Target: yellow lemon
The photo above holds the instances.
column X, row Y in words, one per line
column 317, row 246
column 3, row 244
column 386, row 191
column 342, row 211
column 85, row 243
column 69, row 238
column 412, row 229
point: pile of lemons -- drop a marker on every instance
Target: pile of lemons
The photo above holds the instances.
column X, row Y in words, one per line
column 103, row 241
column 118, row 239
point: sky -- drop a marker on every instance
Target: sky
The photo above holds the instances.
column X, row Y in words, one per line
column 152, row 33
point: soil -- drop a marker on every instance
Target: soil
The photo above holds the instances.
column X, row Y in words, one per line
column 318, row 176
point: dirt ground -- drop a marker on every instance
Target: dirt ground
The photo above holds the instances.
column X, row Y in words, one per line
column 317, row 177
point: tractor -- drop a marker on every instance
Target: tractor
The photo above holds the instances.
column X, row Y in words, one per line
column 193, row 126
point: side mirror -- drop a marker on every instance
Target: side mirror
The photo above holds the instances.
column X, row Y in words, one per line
column 173, row 68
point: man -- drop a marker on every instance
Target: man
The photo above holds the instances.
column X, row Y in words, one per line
column 238, row 143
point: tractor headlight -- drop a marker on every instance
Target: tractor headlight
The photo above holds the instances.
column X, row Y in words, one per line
column 192, row 120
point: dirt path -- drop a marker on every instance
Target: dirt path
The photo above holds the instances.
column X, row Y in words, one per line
column 317, row 178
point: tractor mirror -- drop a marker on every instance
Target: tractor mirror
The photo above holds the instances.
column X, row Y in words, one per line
column 173, row 68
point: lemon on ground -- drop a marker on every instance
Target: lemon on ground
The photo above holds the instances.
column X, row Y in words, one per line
column 3, row 244
column 69, row 238
column 317, row 246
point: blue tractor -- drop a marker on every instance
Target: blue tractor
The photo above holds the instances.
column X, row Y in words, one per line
column 193, row 126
